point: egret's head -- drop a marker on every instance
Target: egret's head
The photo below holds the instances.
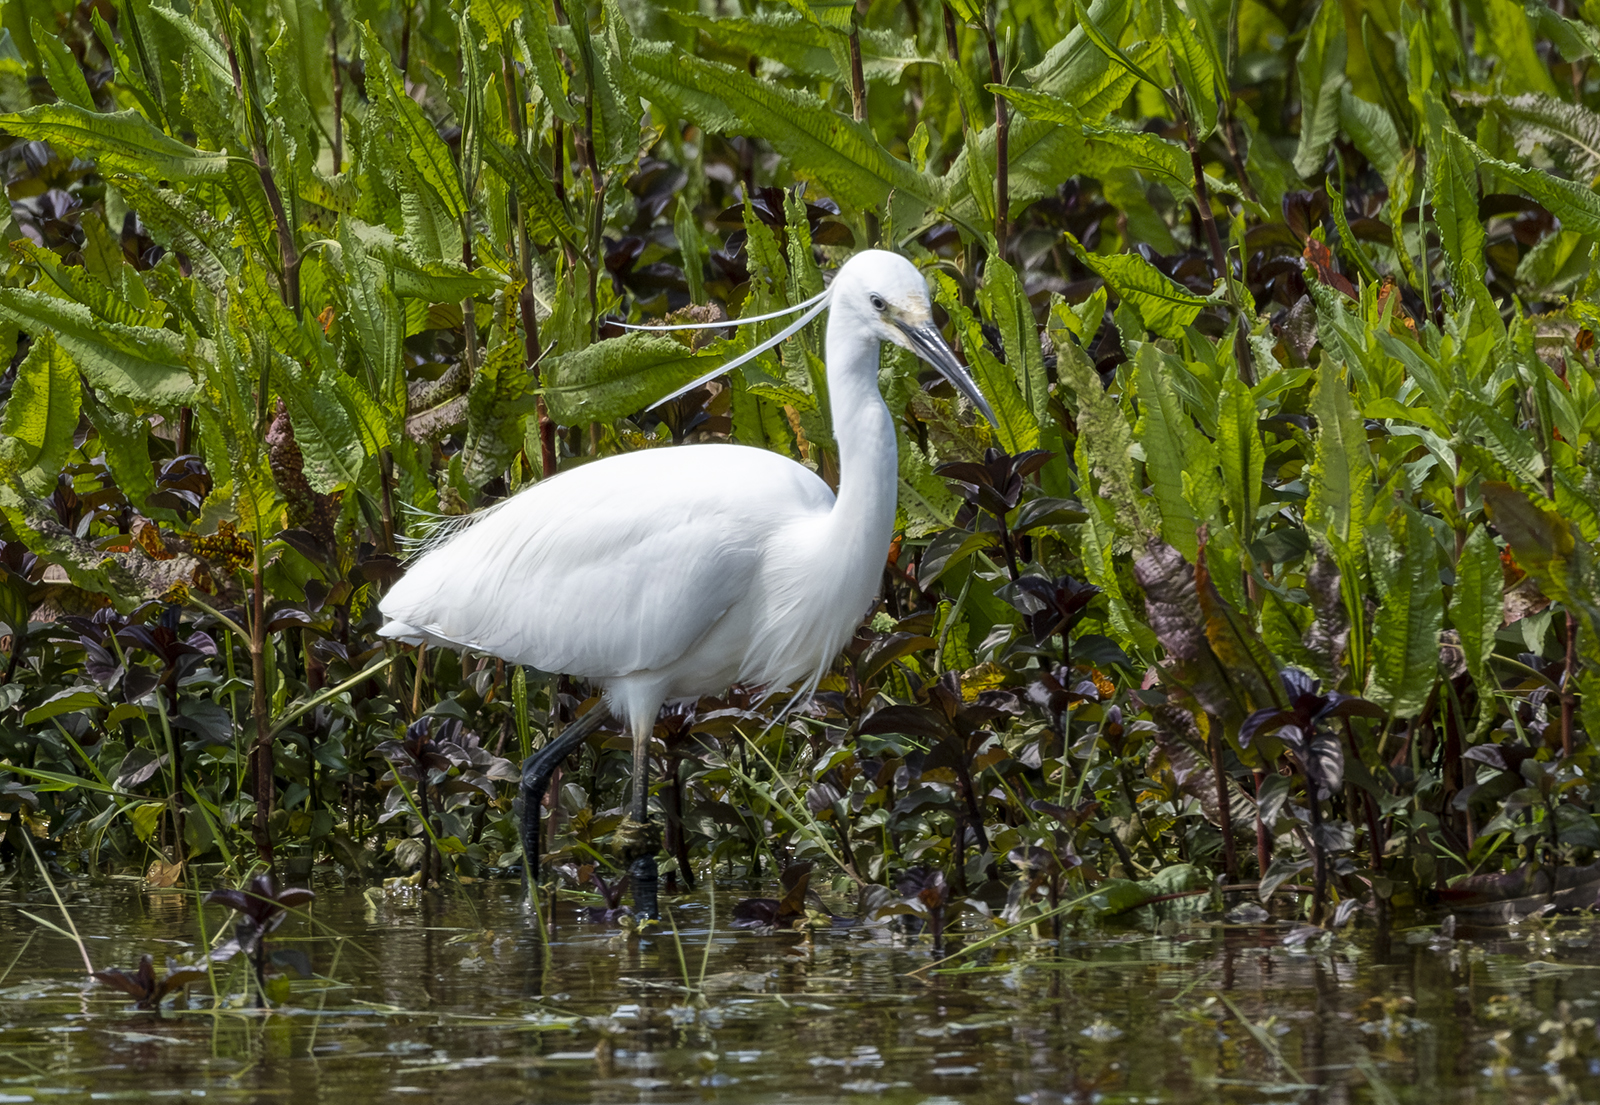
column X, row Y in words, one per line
column 885, row 295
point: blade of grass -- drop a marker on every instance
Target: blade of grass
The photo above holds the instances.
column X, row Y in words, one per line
column 83, row 949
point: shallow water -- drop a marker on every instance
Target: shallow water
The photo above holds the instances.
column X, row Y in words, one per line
column 451, row 996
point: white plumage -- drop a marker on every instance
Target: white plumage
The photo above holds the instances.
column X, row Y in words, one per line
column 678, row 572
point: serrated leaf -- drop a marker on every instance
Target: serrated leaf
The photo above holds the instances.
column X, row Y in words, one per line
column 1164, row 306
column 498, row 402
column 1179, row 461
column 549, row 77
column 1041, row 106
column 1477, row 603
column 1339, row 485
column 1108, row 440
column 806, row 45
column 619, row 377
column 1006, row 301
column 122, row 142
column 1577, row 206
column 420, row 149
column 40, row 417
column 1193, row 66
column 1571, row 132
column 139, row 362
column 1453, row 185
column 1241, row 453
column 1321, row 72
column 820, row 144
column 328, row 440
column 1405, row 634
column 1372, row 130
column 61, row 69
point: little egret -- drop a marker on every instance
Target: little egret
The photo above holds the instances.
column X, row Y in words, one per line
column 675, row 573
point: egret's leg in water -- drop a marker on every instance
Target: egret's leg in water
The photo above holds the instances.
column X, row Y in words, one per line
column 644, row 840
column 536, row 772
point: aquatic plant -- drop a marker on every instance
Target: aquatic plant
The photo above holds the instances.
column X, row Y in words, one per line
column 142, row 985
column 260, row 909
column 1293, row 364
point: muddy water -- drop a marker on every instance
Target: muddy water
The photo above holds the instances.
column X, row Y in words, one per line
column 453, row 997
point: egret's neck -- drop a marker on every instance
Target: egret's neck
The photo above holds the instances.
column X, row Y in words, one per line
column 864, row 431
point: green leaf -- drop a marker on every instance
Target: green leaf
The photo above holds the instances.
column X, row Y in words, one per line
column 1018, row 430
column 1477, row 603
column 807, row 45
column 691, row 249
column 125, row 441
column 1405, row 636
column 1040, row 155
column 1509, row 32
column 1104, row 433
column 1543, row 543
column 68, row 701
column 1075, row 61
column 1321, row 71
column 1569, row 132
column 1512, row 446
column 143, row 817
column 1339, row 485
column 547, row 74
column 1006, row 302
column 1453, row 187
column 40, row 417
column 1107, row 45
column 1165, row 307
column 122, row 142
column 1192, row 64
column 140, row 362
column 420, row 149
column 61, row 69
column 820, row 144
column 546, row 218
column 1179, row 462
column 1240, row 452
column 1577, row 206
column 619, row 377
column 329, row 442
column 379, row 322
column 498, row 402
column 1372, row 130
column 1041, row 106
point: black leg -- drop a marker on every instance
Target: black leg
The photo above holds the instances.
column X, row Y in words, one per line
column 639, row 838
column 643, row 872
column 536, row 772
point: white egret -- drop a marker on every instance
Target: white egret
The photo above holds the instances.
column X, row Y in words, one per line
column 674, row 573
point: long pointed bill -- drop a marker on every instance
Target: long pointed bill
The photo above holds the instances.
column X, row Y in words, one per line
column 927, row 343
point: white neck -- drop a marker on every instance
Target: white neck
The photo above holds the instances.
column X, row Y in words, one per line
column 862, row 522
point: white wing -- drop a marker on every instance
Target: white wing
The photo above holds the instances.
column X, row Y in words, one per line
column 615, row 567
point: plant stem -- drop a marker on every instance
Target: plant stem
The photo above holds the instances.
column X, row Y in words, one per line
column 1569, row 701
column 261, row 751
column 1230, row 859
column 528, row 307
column 858, row 81
column 338, row 95
column 1263, row 853
column 1002, row 157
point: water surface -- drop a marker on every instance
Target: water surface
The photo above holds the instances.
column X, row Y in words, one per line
column 452, row 996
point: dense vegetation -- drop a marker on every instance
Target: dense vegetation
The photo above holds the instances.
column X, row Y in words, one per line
column 1277, row 568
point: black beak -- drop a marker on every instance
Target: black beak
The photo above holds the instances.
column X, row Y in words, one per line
column 927, row 343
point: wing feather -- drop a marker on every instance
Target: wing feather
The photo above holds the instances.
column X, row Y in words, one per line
column 616, row 567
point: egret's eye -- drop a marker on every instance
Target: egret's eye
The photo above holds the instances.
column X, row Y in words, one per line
column 877, row 302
